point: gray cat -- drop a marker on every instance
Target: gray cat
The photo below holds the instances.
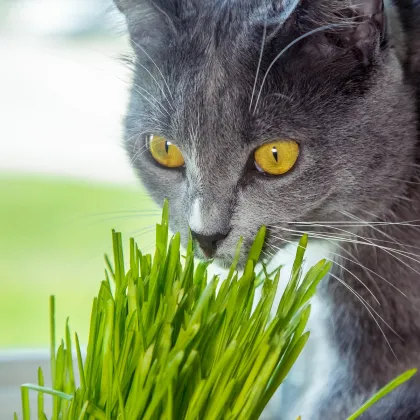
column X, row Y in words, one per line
column 299, row 115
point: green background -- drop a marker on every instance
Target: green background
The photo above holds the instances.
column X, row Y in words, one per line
column 53, row 235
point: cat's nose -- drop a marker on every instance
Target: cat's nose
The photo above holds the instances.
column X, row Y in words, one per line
column 208, row 243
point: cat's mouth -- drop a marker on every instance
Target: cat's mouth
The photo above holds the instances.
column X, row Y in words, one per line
column 224, row 255
column 222, row 248
column 221, row 256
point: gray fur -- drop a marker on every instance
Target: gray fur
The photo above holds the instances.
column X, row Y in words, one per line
column 347, row 94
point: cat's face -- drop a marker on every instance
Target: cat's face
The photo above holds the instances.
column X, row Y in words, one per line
column 339, row 96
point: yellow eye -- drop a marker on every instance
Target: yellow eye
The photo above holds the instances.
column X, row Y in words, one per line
column 165, row 152
column 277, row 157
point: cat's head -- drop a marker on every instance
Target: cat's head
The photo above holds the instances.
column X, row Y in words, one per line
column 252, row 112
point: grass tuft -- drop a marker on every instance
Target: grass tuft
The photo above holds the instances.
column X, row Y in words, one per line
column 163, row 344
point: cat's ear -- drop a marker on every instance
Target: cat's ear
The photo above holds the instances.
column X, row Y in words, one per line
column 124, row 5
column 366, row 30
column 361, row 28
column 172, row 11
column 166, row 6
column 147, row 19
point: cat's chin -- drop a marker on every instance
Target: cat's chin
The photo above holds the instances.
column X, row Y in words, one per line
column 223, row 263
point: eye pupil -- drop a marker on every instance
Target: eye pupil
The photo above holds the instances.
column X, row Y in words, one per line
column 166, row 147
column 275, row 154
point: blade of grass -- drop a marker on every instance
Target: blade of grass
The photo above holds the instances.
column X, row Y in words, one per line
column 48, row 391
column 382, row 392
column 40, row 394
column 26, row 410
column 80, row 362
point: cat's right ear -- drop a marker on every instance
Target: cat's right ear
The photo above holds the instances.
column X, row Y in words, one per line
column 144, row 20
column 123, row 5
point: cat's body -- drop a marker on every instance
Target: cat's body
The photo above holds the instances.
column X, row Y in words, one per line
column 344, row 87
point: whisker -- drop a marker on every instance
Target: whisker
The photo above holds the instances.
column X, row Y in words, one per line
column 362, row 300
column 389, row 250
column 347, row 223
column 352, row 274
column 129, row 212
column 356, row 277
column 290, row 45
column 138, row 155
column 282, row 249
column 128, row 84
column 259, row 64
column 406, row 254
column 139, row 232
column 377, row 314
column 148, row 117
column 158, row 103
column 139, row 152
column 403, row 198
column 125, row 217
column 404, row 180
column 393, row 240
column 157, row 83
column 268, row 255
column 150, row 248
column 365, row 269
column 150, row 102
column 354, row 261
column 142, row 151
column 157, row 67
column 367, row 308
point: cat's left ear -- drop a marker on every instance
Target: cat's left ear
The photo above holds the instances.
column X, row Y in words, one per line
column 361, row 29
column 367, row 28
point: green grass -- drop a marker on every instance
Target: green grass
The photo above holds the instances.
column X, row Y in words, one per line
column 163, row 344
column 52, row 237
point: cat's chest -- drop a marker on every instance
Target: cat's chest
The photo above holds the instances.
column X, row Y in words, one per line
column 316, row 367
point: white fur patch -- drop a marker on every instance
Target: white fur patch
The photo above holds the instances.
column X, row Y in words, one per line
column 312, row 371
column 196, row 220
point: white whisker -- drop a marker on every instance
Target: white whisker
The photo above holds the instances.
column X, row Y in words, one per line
column 157, row 67
column 156, row 101
column 351, row 224
column 354, row 261
column 344, row 268
column 290, row 45
column 367, row 308
column 389, row 250
column 259, row 64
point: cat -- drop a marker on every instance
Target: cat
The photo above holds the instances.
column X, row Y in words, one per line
column 300, row 115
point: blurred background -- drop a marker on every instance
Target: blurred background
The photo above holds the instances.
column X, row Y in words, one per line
column 65, row 181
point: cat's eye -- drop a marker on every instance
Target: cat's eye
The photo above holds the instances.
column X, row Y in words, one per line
column 277, row 157
column 165, row 152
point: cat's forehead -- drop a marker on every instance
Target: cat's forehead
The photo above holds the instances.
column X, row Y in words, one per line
column 209, row 83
